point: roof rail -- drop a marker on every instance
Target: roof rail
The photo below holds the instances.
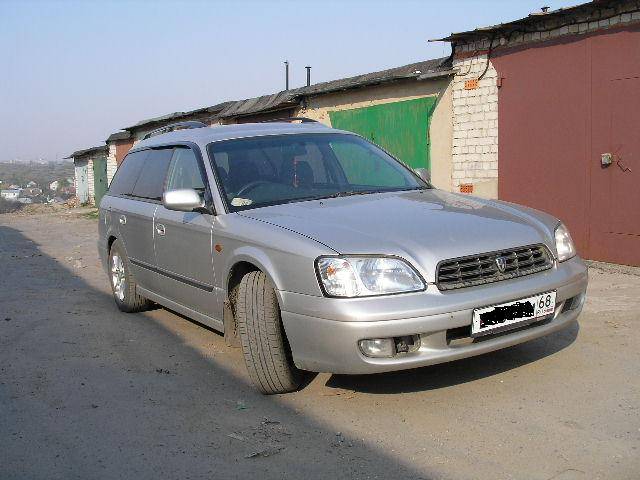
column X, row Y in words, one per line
column 291, row 119
column 173, row 127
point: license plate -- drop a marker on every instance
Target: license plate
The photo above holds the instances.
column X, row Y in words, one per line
column 513, row 314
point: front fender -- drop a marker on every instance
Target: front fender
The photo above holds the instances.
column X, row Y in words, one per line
column 287, row 258
column 256, row 257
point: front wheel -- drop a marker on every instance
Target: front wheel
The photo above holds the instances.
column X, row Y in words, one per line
column 123, row 285
column 264, row 344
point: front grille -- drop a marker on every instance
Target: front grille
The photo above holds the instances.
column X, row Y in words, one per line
column 479, row 269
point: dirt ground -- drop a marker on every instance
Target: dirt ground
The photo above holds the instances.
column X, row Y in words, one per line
column 89, row 392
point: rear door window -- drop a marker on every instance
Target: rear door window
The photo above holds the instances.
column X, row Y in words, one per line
column 128, row 173
column 150, row 182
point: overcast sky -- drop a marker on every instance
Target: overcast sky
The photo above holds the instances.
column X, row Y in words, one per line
column 73, row 72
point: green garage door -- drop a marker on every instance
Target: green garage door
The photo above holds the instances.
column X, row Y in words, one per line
column 99, row 178
column 401, row 128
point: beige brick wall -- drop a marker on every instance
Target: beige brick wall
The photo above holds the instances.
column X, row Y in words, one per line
column 112, row 165
column 475, row 127
column 92, row 191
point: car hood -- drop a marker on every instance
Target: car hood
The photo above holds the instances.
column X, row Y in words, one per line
column 424, row 226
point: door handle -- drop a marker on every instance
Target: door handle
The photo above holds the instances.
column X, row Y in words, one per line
column 160, row 229
column 122, row 219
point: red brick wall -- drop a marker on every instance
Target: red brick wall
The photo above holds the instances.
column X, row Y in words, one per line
column 122, row 147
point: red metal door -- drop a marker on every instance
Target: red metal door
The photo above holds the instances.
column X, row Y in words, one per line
column 615, row 130
column 543, row 127
column 562, row 105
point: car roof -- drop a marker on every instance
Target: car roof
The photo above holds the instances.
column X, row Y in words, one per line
column 217, row 133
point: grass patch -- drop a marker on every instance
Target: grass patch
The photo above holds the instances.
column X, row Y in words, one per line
column 92, row 215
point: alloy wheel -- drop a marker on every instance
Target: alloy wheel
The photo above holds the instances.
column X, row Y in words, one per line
column 118, row 280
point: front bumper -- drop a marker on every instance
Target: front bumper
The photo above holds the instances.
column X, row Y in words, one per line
column 324, row 332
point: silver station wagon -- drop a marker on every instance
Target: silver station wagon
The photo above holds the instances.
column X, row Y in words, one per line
column 317, row 251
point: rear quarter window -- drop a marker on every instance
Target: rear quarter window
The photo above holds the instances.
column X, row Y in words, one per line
column 127, row 174
column 150, row 183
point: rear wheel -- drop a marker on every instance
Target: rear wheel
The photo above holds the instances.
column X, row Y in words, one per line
column 123, row 285
column 264, row 344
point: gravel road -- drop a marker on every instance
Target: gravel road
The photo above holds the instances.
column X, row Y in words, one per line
column 89, row 392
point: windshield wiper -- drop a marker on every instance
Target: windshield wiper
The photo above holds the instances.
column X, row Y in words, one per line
column 349, row 193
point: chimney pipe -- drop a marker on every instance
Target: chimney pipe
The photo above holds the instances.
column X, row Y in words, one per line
column 308, row 75
column 286, row 75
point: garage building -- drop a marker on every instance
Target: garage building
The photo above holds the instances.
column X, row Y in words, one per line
column 91, row 181
column 546, row 113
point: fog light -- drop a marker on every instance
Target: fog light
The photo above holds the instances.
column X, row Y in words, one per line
column 575, row 302
column 407, row 344
column 378, row 347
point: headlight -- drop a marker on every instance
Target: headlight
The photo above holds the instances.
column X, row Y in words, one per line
column 564, row 244
column 360, row 276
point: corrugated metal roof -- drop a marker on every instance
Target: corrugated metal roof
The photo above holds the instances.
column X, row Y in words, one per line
column 413, row 70
column 177, row 116
column 265, row 103
column 530, row 20
column 292, row 98
column 87, row 151
column 119, row 136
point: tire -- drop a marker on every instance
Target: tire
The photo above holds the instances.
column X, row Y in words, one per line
column 264, row 344
column 123, row 285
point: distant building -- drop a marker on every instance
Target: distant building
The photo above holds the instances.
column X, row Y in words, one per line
column 31, row 184
column 30, row 192
column 11, row 194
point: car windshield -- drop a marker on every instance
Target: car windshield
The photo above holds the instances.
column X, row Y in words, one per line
column 270, row 170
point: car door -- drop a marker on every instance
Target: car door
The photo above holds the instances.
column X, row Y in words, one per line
column 134, row 218
column 184, row 241
column 147, row 197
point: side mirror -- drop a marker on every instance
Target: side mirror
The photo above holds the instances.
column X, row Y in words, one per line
column 424, row 174
column 183, row 200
